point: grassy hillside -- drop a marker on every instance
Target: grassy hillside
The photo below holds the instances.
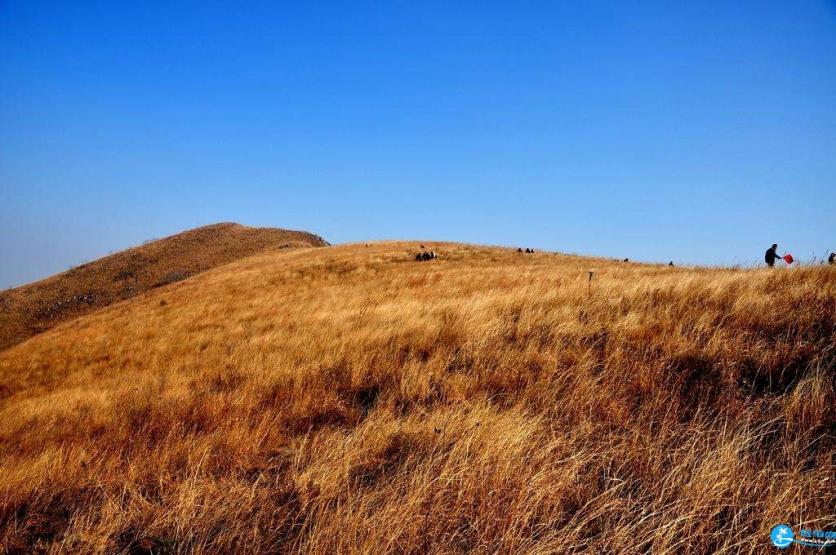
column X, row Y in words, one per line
column 352, row 399
column 31, row 309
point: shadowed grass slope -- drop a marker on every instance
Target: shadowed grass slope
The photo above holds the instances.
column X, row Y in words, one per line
column 31, row 309
column 352, row 400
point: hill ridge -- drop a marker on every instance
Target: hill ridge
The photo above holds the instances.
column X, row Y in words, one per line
column 35, row 307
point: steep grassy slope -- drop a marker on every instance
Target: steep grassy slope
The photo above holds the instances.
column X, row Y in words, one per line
column 36, row 307
column 351, row 399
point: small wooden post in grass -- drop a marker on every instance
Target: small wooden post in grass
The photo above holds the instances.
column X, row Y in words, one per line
column 589, row 286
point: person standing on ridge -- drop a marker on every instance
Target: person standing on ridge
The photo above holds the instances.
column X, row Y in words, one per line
column 832, row 258
column 771, row 255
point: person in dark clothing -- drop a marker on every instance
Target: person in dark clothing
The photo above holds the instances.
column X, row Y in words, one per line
column 832, row 258
column 771, row 255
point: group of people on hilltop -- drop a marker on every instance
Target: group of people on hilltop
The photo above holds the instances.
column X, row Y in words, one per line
column 772, row 256
column 426, row 255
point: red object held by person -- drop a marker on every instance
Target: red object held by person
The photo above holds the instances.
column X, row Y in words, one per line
column 788, row 259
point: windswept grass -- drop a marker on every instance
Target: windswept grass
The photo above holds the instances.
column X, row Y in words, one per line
column 351, row 400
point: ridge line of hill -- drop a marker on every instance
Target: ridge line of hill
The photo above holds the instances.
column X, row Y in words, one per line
column 38, row 306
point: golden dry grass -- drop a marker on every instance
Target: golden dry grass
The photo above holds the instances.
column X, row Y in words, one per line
column 351, row 400
column 36, row 307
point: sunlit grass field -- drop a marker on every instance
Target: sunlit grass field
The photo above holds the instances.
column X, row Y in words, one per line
column 350, row 399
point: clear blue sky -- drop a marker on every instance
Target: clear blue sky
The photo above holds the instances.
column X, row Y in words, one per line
column 695, row 131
